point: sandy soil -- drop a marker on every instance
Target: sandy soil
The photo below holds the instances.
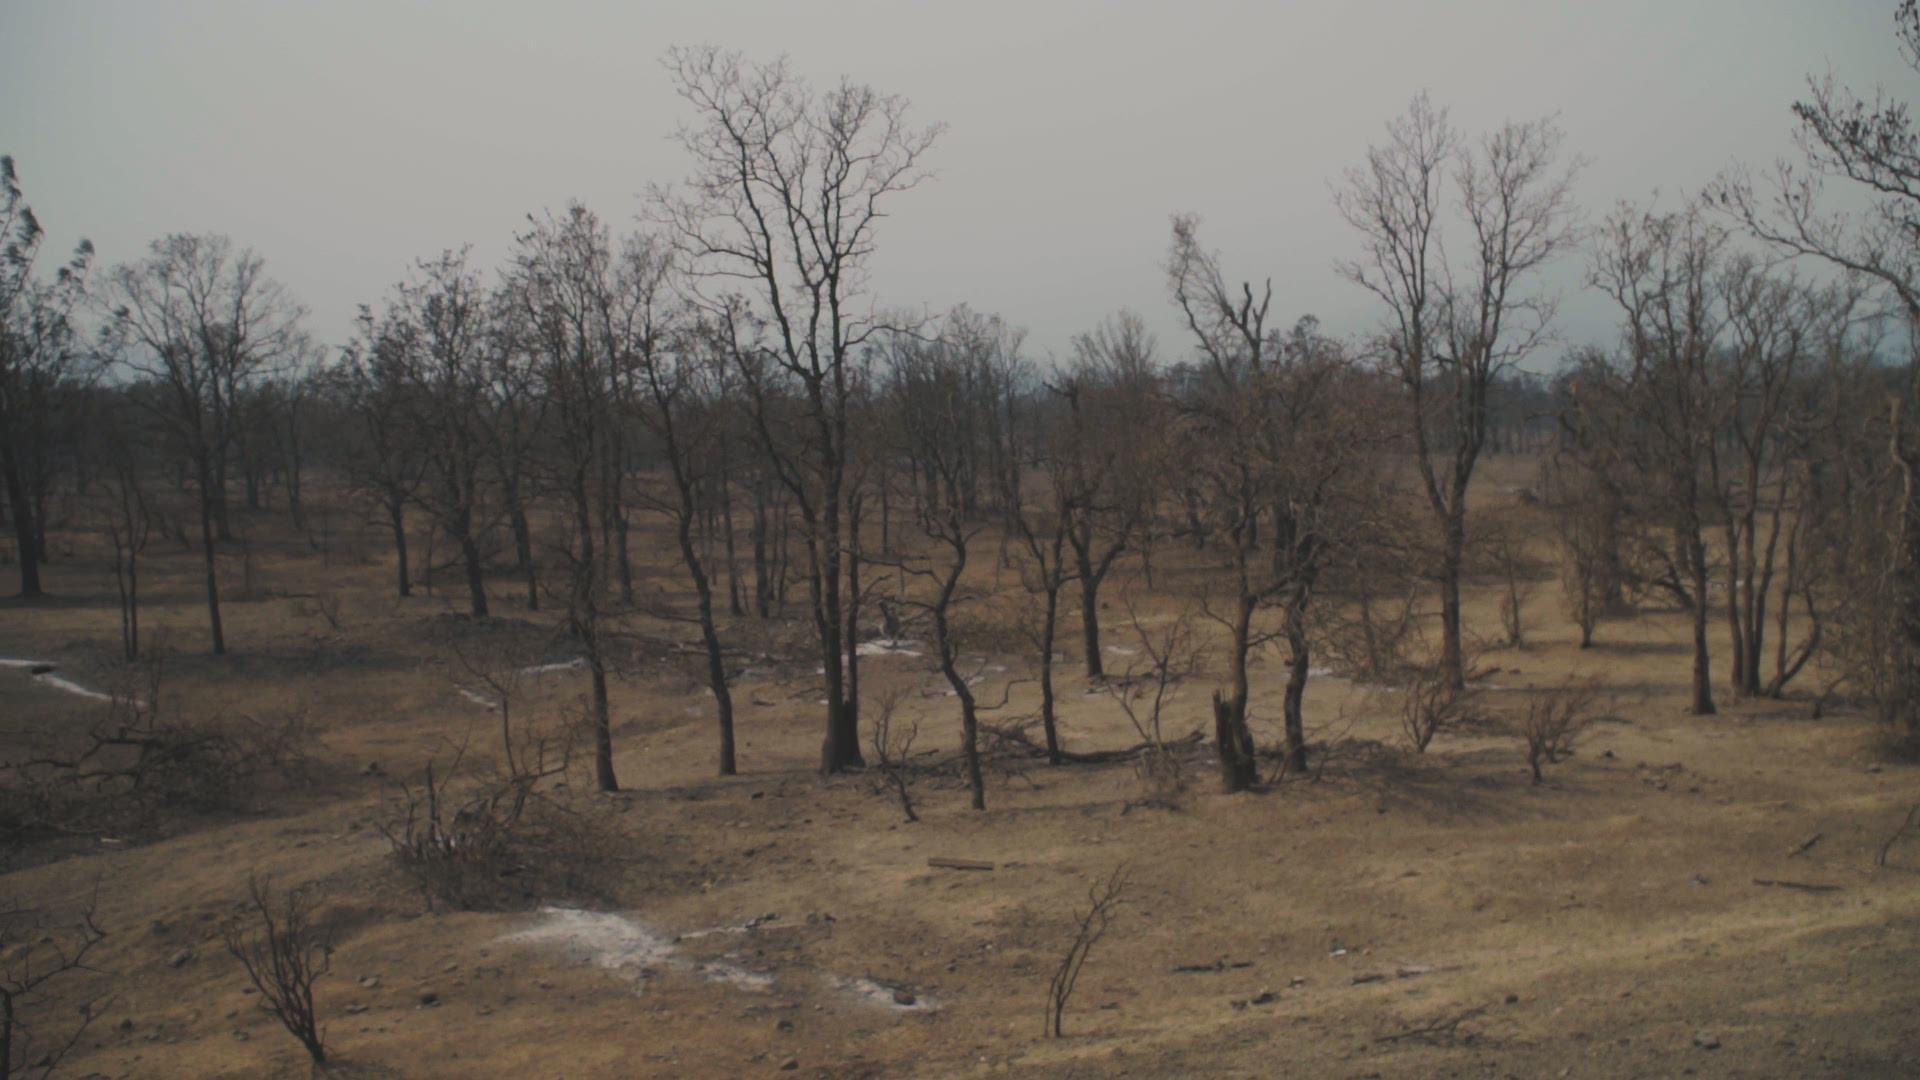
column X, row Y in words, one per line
column 1402, row 915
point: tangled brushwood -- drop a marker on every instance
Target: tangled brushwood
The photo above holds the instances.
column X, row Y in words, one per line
column 479, row 840
column 140, row 760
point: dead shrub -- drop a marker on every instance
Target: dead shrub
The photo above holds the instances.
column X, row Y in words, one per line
column 1429, row 706
column 1166, row 659
column 892, row 746
column 141, row 759
column 38, row 949
column 325, row 606
column 284, row 955
column 481, row 841
column 1554, row 720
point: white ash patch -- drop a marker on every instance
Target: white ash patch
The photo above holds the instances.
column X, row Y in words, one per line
column 888, row 647
column 616, row 943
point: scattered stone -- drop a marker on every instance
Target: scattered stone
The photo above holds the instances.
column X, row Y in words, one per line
column 180, row 958
column 790, row 1064
column 1513, row 999
column 903, row 997
column 785, row 1027
column 355, row 1009
column 127, row 1024
column 429, row 999
column 1705, row 1041
column 371, row 982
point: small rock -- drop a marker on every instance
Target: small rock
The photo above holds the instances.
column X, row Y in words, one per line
column 784, row 1027
column 1513, row 999
column 126, row 1025
column 370, row 981
column 790, row 1064
column 1705, row 1041
column 429, row 999
column 180, row 958
column 903, row 997
column 355, row 1009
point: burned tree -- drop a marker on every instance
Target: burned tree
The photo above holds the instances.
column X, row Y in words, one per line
column 1107, row 458
column 585, row 317
column 1278, row 440
column 203, row 323
column 788, row 187
column 1451, row 330
column 1660, row 269
column 40, row 360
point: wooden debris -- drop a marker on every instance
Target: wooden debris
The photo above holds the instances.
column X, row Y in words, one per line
column 1446, row 1027
column 1796, row 885
column 1806, row 845
column 940, row 863
column 1222, row 964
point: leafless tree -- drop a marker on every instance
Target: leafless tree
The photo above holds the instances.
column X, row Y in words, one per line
column 587, row 317
column 1870, row 148
column 40, row 358
column 1661, row 270
column 435, row 329
column 1453, row 328
column 203, row 323
column 1107, row 457
column 680, row 377
column 1276, row 437
column 788, row 187
column 380, row 451
column 125, row 508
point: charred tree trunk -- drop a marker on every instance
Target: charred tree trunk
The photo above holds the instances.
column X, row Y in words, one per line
column 397, row 520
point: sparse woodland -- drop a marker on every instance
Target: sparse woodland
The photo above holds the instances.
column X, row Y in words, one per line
column 658, row 569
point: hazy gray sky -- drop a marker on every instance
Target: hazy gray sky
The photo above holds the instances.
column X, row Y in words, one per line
column 344, row 139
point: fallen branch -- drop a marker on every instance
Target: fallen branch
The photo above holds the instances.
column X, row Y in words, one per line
column 1806, row 845
column 1796, row 885
column 1445, row 1026
column 1222, row 964
column 1909, row 825
column 940, row 863
column 1018, row 737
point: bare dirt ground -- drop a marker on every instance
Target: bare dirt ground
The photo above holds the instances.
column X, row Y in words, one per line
column 1403, row 915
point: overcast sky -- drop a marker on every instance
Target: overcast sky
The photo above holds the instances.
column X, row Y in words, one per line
column 344, row 139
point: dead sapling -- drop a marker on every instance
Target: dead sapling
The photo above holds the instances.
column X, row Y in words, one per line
column 1167, row 658
column 1430, row 705
column 1103, row 900
column 36, row 951
column 1909, row 828
column 284, row 954
column 892, row 745
column 1554, row 720
column 1510, row 560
